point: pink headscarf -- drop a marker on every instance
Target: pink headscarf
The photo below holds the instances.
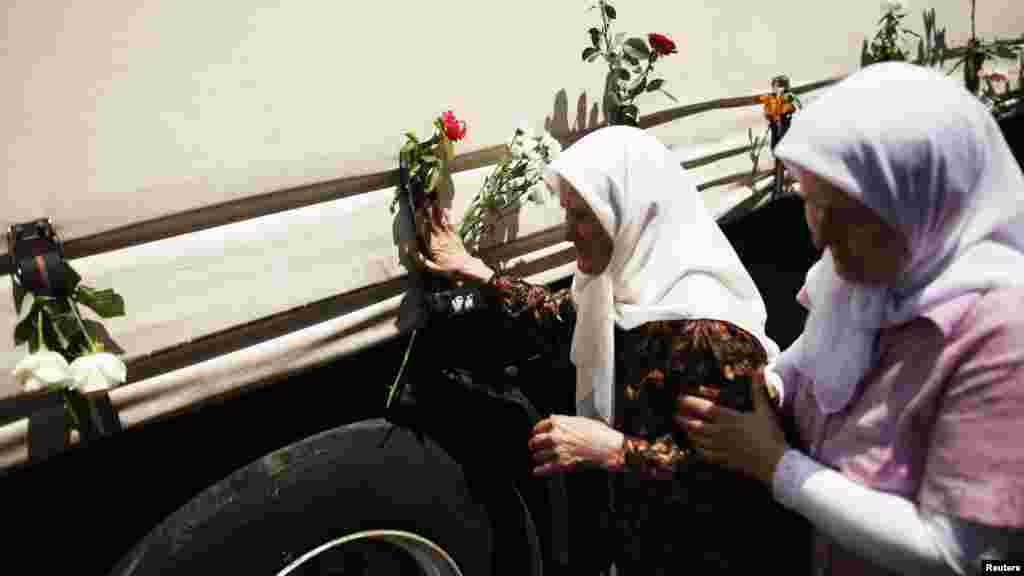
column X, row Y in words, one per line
column 929, row 159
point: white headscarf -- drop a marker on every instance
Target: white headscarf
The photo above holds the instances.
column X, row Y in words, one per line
column 670, row 259
column 929, row 159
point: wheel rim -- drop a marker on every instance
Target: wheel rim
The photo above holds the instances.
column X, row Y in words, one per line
column 428, row 557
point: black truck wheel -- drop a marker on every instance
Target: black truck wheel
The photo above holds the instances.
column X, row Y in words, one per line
column 367, row 498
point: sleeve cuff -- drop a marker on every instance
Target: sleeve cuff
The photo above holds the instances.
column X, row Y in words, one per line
column 790, row 474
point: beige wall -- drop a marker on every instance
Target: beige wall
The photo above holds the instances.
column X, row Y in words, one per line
column 163, row 104
column 124, row 110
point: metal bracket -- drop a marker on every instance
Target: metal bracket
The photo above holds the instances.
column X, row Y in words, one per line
column 36, row 258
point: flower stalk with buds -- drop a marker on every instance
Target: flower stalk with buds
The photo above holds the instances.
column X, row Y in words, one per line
column 517, row 177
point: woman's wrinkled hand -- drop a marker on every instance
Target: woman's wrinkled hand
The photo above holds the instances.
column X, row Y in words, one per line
column 561, row 443
column 445, row 253
column 748, row 442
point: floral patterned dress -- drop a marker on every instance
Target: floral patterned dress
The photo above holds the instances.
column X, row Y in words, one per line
column 672, row 513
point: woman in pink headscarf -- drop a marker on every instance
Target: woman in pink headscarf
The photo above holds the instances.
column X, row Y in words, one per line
column 907, row 383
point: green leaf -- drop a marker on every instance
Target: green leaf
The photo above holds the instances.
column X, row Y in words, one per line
column 73, row 278
column 639, row 88
column 671, row 97
column 106, row 303
column 617, row 41
column 66, row 326
column 637, row 48
column 655, row 85
column 434, row 176
column 595, row 37
column 623, row 74
column 34, row 343
column 26, row 305
column 631, row 60
column 50, row 336
column 590, row 53
column 23, row 331
column 609, row 11
column 19, row 294
column 1006, row 52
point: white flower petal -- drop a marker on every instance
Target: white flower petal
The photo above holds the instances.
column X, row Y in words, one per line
column 98, row 371
column 113, row 368
column 41, row 370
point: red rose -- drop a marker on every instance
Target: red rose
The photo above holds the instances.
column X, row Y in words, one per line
column 661, row 44
column 453, row 128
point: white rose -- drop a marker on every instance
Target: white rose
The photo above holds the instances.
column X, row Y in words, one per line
column 515, row 147
column 524, row 127
column 42, row 370
column 98, row 371
column 537, row 194
column 532, row 154
column 554, row 148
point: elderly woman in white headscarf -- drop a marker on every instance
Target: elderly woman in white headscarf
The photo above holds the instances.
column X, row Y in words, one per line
column 908, row 381
column 661, row 302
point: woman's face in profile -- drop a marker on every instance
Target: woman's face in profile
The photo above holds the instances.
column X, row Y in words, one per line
column 866, row 249
column 593, row 244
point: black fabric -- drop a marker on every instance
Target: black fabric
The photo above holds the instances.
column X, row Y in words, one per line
column 6, row 265
column 108, row 421
column 458, row 389
column 47, row 433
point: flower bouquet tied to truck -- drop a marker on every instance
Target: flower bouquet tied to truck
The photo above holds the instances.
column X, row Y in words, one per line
column 517, row 177
column 630, row 65
column 65, row 351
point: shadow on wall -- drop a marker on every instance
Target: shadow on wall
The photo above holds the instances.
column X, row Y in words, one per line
column 558, row 123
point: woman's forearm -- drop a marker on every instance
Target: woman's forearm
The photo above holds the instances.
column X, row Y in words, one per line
column 885, row 528
column 476, row 270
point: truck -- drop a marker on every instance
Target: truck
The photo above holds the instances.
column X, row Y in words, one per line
column 254, row 435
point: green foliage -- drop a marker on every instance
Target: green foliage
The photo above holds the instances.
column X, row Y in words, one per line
column 630, row 63
column 932, row 51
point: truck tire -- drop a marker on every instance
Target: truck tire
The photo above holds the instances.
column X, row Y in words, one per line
column 366, row 498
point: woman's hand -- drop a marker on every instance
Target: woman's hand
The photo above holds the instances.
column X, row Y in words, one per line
column 447, row 255
column 560, row 443
column 749, row 442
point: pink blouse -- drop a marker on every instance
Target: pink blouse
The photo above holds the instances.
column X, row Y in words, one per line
column 936, row 421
